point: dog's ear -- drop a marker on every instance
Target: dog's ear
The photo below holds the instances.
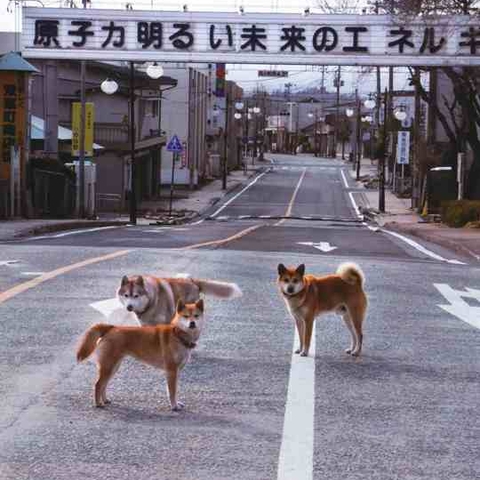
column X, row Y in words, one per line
column 180, row 305
column 124, row 280
column 301, row 269
column 139, row 281
column 200, row 305
column 281, row 268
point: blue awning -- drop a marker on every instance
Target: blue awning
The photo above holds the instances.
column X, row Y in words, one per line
column 13, row 62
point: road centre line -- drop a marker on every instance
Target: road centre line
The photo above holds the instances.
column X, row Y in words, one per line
column 421, row 248
column 222, row 241
column 296, row 452
column 22, row 287
column 292, row 200
column 255, row 180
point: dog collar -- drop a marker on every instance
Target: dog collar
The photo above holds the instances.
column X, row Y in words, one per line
column 290, row 295
column 180, row 334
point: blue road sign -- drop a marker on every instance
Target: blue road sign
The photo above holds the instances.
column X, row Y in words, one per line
column 174, row 145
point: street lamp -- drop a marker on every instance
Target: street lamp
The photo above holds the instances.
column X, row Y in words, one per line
column 400, row 114
column 155, row 71
column 109, row 87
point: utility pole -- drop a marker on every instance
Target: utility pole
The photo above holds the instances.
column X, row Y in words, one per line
column 133, row 165
column 337, row 113
column 358, row 133
column 416, row 141
column 315, row 137
column 381, row 162
column 81, row 153
column 262, row 125
column 225, row 143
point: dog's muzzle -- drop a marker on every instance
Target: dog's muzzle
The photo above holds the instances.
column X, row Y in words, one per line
column 130, row 308
column 192, row 325
column 290, row 290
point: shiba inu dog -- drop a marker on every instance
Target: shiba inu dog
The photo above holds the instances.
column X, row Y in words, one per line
column 308, row 296
column 153, row 299
column 166, row 347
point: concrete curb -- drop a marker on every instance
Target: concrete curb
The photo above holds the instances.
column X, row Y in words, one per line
column 431, row 237
column 61, row 226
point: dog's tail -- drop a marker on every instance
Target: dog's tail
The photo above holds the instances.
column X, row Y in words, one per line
column 351, row 273
column 219, row 289
column 90, row 339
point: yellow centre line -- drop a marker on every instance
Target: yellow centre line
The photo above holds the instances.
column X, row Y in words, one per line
column 22, row 287
column 222, row 241
column 288, row 213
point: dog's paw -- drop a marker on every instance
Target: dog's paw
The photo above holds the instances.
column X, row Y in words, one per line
column 298, row 350
column 304, row 354
column 349, row 351
column 99, row 405
column 355, row 354
column 107, row 401
column 178, row 407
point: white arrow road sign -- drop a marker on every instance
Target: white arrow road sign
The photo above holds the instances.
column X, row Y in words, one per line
column 458, row 306
column 8, row 262
column 323, row 246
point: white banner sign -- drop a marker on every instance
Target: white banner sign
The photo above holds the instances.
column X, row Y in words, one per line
column 61, row 33
column 403, row 148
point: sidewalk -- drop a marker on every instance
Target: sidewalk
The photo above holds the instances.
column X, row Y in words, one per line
column 186, row 206
column 401, row 218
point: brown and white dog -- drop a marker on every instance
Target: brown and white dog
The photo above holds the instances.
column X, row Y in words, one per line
column 166, row 347
column 153, row 299
column 308, row 296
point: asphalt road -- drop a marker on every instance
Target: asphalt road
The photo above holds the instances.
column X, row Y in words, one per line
column 406, row 409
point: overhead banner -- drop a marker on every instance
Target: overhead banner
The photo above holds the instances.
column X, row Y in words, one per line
column 213, row 37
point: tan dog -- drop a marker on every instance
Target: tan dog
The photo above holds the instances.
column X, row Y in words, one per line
column 164, row 346
column 153, row 299
column 308, row 296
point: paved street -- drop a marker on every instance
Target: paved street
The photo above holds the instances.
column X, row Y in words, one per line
column 406, row 409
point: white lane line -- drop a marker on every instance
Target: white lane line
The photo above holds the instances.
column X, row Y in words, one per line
column 296, row 452
column 73, row 232
column 421, row 248
column 255, row 180
column 197, row 223
column 355, row 206
column 344, row 179
column 32, row 274
column 350, row 195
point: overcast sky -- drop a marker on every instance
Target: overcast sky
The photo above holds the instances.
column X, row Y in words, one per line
column 246, row 75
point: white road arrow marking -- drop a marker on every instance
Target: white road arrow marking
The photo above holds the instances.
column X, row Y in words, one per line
column 323, row 246
column 458, row 306
column 8, row 262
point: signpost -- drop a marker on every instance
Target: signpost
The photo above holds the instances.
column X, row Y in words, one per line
column 89, row 121
column 175, row 146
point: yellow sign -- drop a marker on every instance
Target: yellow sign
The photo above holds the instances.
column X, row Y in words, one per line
column 89, row 121
column 12, row 118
